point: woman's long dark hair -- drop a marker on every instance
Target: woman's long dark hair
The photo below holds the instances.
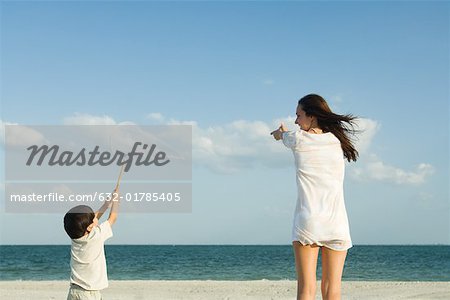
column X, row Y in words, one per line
column 342, row 126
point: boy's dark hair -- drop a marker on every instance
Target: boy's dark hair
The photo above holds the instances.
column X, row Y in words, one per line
column 77, row 220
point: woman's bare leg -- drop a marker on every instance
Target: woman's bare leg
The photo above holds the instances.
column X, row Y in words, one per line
column 306, row 264
column 332, row 268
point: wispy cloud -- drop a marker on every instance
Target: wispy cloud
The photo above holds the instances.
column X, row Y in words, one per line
column 234, row 146
column 369, row 128
column 19, row 135
column 87, row 119
column 372, row 168
column 158, row 117
column 244, row 144
column 2, row 130
column 375, row 169
column 336, row 99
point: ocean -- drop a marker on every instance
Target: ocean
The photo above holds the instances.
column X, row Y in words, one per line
column 227, row 262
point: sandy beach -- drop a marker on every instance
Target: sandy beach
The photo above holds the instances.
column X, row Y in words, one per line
column 260, row 289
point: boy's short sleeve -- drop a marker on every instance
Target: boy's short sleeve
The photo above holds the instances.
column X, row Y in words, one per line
column 290, row 138
column 105, row 230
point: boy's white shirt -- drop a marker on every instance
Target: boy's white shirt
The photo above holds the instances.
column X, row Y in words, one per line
column 88, row 262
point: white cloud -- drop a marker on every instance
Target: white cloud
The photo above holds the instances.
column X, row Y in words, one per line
column 234, row 146
column 87, row 119
column 158, row 117
column 19, row 135
column 116, row 137
column 375, row 169
column 336, row 99
column 2, row 130
column 288, row 122
column 372, row 167
column 244, row 144
column 368, row 130
column 268, row 82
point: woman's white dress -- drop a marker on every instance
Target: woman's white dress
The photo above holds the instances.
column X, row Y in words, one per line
column 320, row 215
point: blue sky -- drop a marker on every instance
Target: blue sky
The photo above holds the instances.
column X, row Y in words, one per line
column 234, row 70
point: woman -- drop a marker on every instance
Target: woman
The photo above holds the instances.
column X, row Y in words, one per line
column 320, row 220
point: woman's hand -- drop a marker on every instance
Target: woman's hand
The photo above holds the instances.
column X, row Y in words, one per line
column 278, row 134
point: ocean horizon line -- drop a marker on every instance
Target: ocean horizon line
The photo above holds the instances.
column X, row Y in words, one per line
column 226, row 262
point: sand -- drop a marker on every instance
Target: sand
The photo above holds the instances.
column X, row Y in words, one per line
column 260, row 289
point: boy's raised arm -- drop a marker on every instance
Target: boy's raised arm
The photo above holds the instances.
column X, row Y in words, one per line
column 114, row 207
column 107, row 204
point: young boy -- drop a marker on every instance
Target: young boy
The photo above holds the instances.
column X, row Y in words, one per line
column 87, row 263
